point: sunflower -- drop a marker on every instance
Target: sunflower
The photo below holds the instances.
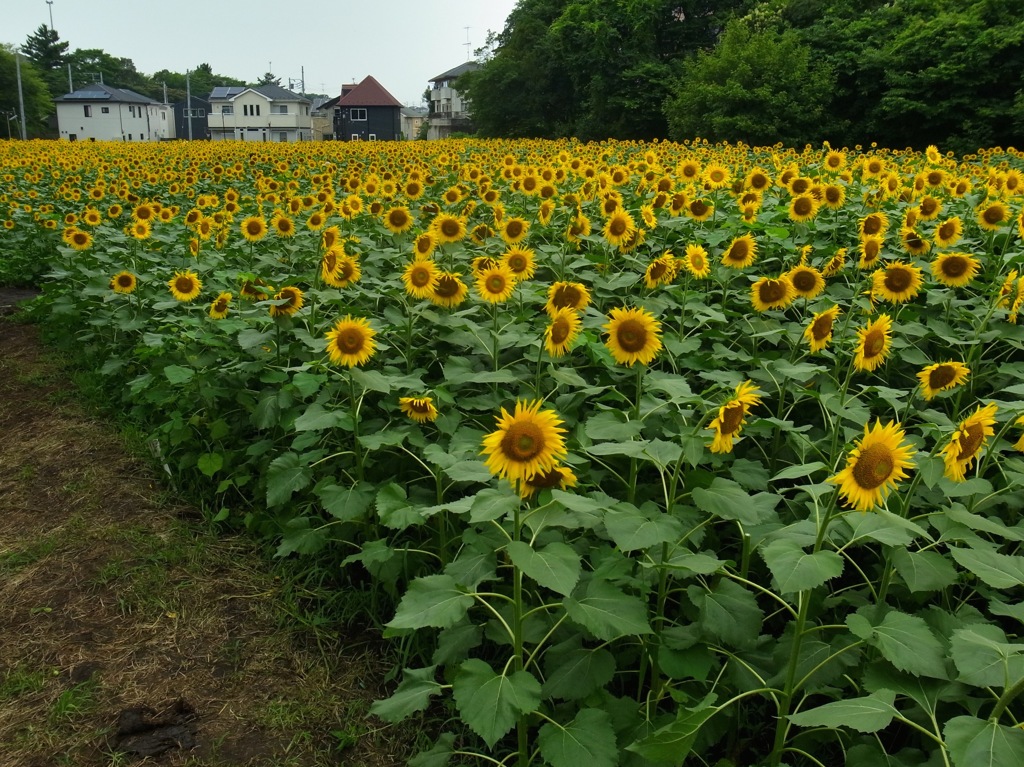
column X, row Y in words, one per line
column 330, row 237
column 254, row 290
column 803, row 208
column 398, row 220
column 219, row 307
column 942, row 376
column 993, row 216
column 968, row 440
column 913, row 242
column 143, row 212
column 732, row 415
column 579, row 227
column 420, row 278
column 346, row 272
column 526, row 442
column 560, row 477
column 419, row 409
column 513, row 230
column 124, row 282
column 351, row 342
column 619, row 228
column 450, row 291
column 874, row 342
column 185, row 286
column 870, row 250
column 875, row 466
column 955, row 269
column 283, row 226
column 695, row 261
column 448, row 228
column 140, row 230
column 834, row 264
column 633, row 336
column 819, row 330
column 807, row 281
column 897, row 282
column 483, row 263
column 772, row 293
column 560, row 334
column 833, row 196
column 661, row 271
column 79, row 239
column 567, row 295
column 742, row 252
column 520, row 261
column 699, row 209
column 480, row 233
column 495, row 285
column 1007, row 289
column 424, row 245
column 874, row 224
column 716, row 176
column 293, row 298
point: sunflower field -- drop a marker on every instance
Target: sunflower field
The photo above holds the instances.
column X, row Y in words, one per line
column 644, row 454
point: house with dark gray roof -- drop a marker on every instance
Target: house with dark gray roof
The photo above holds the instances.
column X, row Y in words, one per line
column 367, row 112
column 258, row 113
column 449, row 112
column 99, row 112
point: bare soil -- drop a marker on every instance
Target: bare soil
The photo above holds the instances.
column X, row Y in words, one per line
column 129, row 633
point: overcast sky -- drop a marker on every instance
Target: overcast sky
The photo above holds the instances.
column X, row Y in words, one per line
column 402, row 43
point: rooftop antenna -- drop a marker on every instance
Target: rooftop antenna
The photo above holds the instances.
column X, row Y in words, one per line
column 469, row 45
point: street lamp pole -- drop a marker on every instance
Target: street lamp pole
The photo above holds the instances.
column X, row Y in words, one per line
column 21, row 95
column 50, row 4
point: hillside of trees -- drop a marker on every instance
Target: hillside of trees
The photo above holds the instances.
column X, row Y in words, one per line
column 896, row 72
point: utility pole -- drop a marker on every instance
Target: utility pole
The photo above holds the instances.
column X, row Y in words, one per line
column 50, row 4
column 469, row 45
column 21, row 95
column 188, row 102
column 71, row 85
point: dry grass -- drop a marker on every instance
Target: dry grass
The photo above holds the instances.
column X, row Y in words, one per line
column 111, row 599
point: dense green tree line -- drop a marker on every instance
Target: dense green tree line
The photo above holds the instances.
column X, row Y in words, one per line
column 897, row 72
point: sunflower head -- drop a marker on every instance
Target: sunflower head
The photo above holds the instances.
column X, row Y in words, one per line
column 450, row 291
column 220, row 305
column 741, row 253
column 772, row 293
column 558, row 478
column 875, row 466
column 955, row 269
column 807, row 281
column 420, row 278
column 731, row 417
column 567, row 295
column 185, row 286
column 123, row 282
column 873, row 344
column 525, row 443
column 292, row 300
column 898, row 282
column 633, row 336
column 419, row 409
column 351, row 341
column 819, row 330
column 968, row 440
column 942, row 376
column 520, row 261
column 562, row 331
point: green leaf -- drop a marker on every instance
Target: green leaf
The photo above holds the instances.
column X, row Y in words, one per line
column 318, row 418
column 726, row 499
column 469, row 471
column 577, row 673
column 432, row 600
column 795, row 570
column 984, row 657
column 631, row 529
column 923, row 570
column 869, row 714
column 664, row 454
column 611, row 426
column 993, row 525
column 308, row 384
column 728, row 612
column 608, row 613
column 300, row 538
column 800, row 471
column 177, row 374
column 589, row 740
column 490, row 703
column 210, row 463
column 907, row 642
column 346, row 503
column 438, row 755
column 413, row 694
column 634, row 449
column 394, row 509
column 672, row 743
column 285, row 475
column 556, row 566
column 493, row 503
column 373, row 380
column 974, row 742
column 1000, row 571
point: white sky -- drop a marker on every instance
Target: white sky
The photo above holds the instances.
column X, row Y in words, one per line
column 402, row 43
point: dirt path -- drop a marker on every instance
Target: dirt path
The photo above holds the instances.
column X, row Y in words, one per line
column 128, row 633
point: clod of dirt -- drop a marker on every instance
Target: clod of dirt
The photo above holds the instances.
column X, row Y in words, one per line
column 142, row 731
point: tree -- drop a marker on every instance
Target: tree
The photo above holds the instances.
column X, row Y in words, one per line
column 95, row 64
column 269, row 79
column 756, row 86
column 46, row 50
column 38, row 104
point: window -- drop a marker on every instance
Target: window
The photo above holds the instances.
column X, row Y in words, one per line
column 355, row 136
column 257, row 109
column 372, row 137
column 195, row 113
column 357, row 114
column 278, row 109
column 105, row 110
column 227, row 110
column 282, row 136
column 129, row 136
column 88, row 110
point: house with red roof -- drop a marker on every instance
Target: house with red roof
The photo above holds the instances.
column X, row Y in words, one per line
column 366, row 112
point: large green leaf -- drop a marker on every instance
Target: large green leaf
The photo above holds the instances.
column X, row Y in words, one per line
column 796, row 570
column 726, row 499
column 984, row 658
column 672, row 743
column 285, row 475
column 973, row 742
column 728, row 612
column 346, row 503
column 1000, row 571
column 394, row 509
column 607, row 612
column 923, row 570
column 210, row 463
column 177, row 374
column 412, row 695
column 490, row 703
column 589, row 740
column 869, row 714
column 432, row 600
column 905, row 641
column 631, row 529
column 317, row 418
column 576, row 674
column 556, row 566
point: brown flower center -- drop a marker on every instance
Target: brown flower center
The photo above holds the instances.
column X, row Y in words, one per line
column 351, row 340
column 821, row 328
column 513, row 229
column 496, row 284
column 220, row 305
column 566, row 297
column 522, row 442
column 183, row 284
column 546, row 479
column 954, row 266
column 913, row 241
column 941, row 376
column 874, row 343
column 800, row 185
column 450, row 228
column 631, row 335
column 897, row 279
column 698, row 208
column 657, row 270
column 947, row 230
column 518, row 263
column 732, row 417
column 993, row 214
column 873, row 467
column 802, row 206
column 872, row 225
column 423, row 245
column 771, row 291
column 804, row 280
column 560, row 330
column 398, row 218
column 617, row 227
column 970, row 441
column 738, row 251
column 420, row 276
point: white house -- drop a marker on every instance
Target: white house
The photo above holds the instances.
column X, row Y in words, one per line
column 259, row 113
column 98, row 112
column 449, row 112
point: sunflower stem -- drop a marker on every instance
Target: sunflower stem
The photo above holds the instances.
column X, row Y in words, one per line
column 522, row 730
column 633, row 463
column 356, row 447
